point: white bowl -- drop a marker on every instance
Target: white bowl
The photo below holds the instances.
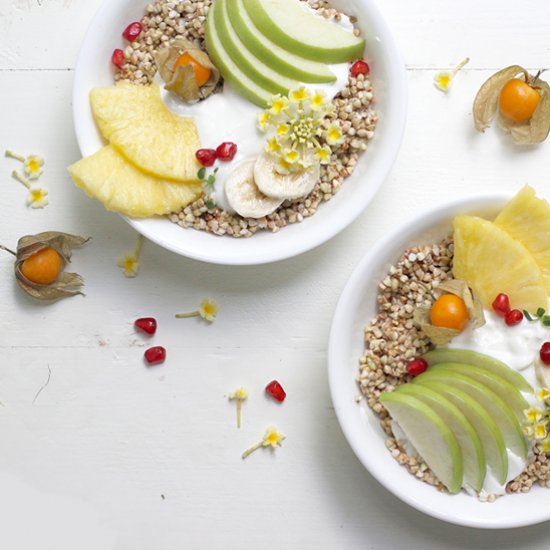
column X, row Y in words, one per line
column 356, row 307
column 389, row 80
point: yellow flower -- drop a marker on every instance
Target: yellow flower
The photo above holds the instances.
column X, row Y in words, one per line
column 240, row 394
column 528, row 431
column 318, row 100
column 291, row 156
column 323, row 154
column 272, row 145
column 37, row 197
column 533, row 414
column 278, row 103
column 130, row 262
column 444, row 79
column 333, row 135
column 545, row 446
column 32, row 164
column 272, row 438
column 300, row 94
column 263, row 120
column 540, row 431
column 207, row 310
column 282, row 129
column 543, row 394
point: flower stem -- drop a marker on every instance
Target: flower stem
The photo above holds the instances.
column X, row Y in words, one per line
column 239, row 403
column 15, row 174
column 12, row 155
column 187, row 315
column 2, row 247
column 252, row 449
column 460, row 65
column 139, row 244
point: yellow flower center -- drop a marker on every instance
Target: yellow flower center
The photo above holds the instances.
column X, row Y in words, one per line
column 37, row 195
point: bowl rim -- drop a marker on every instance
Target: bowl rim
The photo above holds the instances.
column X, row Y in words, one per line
column 395, row 126
column 339, row 382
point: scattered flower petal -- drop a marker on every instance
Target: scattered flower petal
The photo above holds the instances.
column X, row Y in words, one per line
column 272, row 438
column 208, row 310
column 239, row 395
column 444, row 79
column 37, row 197
column 130, row 262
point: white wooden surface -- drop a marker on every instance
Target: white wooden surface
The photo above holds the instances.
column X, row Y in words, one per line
column 114, row 455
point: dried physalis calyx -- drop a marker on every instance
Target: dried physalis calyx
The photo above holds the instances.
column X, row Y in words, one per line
column 187, row 70
column 40, row 260
column 522, row 101
column 450, row 313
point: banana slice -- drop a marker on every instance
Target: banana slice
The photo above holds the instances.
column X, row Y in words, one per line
column 244, row 196
column 279, row 186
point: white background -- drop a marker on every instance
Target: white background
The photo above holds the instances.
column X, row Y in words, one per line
column 84, row 464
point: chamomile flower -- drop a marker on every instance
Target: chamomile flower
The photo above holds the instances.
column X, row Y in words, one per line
column 208, row 310
column 130, row 262
column 272, row 438
column 444, row 79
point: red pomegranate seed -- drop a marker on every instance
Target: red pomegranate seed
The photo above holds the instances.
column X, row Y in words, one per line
column 117, row 58
column 132, row 31
column 207, row 157
column 155, row 355
column 146, row 324
column 276, row 390
column 226, row 151
column 513, row 317
column 417, row 366
column 545, row 353
column 359, row 67
column 501, row 305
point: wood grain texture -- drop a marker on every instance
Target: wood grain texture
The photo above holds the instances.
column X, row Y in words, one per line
column 142, row 458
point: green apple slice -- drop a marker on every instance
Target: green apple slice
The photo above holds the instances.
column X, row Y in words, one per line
column 491, row 438
column 501, row 413
column 469, row 357
column 506, row 391
column 250, row 65
column 298, row 29
column 229, row 69
column 279, row 59
column 473, row 455
column 429, row 434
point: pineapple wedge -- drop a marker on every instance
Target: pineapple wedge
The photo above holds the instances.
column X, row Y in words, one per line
column 121, row 187
column 491, row 261
column 526, row 218
column 135, row 120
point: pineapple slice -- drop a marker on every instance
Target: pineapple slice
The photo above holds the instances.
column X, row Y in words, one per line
column 526, row 218
column 135, row 120
column 121, row 187
column 491, row 261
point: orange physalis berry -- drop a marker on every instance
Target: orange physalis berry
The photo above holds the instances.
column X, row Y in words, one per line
column 518, row 100
column 449, row 311
column 43, row 267
column 202, row 73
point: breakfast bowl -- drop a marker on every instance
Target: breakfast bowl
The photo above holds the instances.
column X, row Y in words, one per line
column 388, row 78
column 357, row 307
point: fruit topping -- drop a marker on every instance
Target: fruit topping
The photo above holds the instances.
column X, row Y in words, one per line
column 146, row 324
column 449, row 311
column 132, row 31
column 501, row 305
column 417, row 366
column 513, row 317
column 275, row 390
column 155, row 355
column 117, row 58
column 545, row 353
column 43, row 267
column 187, row 70
column 226, row 151
column 359, row 67
column 517, row 100
column 207, row 157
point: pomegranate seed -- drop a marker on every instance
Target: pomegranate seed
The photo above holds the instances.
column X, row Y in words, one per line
column 275, row 390
column 545, row 353
column 417, row 366
column 359, row 67
column 146, row 324
column 226, row 151
column 207, row 157
column 501, row 305
column 132, row 31
column 117, row 58
column 513, row 317
column 155, row 355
